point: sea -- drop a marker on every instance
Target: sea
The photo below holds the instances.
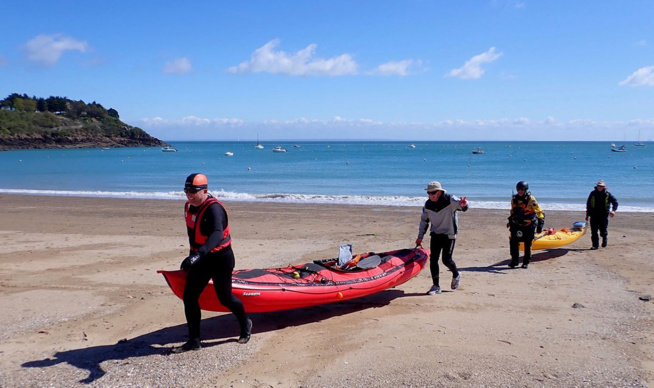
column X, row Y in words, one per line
column 369, row 173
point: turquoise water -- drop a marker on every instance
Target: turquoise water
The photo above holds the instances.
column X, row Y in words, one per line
column 560, row 174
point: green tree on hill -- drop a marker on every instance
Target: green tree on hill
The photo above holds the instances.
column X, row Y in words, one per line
column 36, row 122
column 41, row 105
column 59, row 105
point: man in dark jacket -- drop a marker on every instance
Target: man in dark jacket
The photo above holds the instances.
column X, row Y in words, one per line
column 600, row 206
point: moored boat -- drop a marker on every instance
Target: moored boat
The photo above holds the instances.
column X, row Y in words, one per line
column 168, row 149
column 278, row 149
column 310, row 284
column 622, row 148
column 258, row 145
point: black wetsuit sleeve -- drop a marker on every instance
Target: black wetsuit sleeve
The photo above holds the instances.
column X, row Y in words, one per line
column 613, row 202
column 213, row 224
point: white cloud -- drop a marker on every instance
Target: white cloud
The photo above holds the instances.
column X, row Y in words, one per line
column 400, row 68
column 192, row 121
column 499, row 123
column 266, row 60
column 472, row 68
column 509, row 4
column 48, row 49
column 154, row 121
column 336, row 121
column 641, row 77
column 179, row 66
column 94, row 62
column 582, row 122
column 507, row 76
column 337, row 127
column 550, row 120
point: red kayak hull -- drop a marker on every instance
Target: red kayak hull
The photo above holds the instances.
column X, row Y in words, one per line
column 310, row 284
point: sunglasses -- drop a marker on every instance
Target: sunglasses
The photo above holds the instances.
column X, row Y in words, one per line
column 191, row 190
column 432, row 192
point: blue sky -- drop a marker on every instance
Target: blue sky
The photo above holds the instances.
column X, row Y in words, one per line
column 404, row 70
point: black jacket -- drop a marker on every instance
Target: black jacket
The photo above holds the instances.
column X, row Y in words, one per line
column 599, row 203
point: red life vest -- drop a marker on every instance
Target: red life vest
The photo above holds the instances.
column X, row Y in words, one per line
column 193, row 222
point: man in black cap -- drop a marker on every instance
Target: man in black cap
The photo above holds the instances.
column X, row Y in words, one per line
column 210, row 257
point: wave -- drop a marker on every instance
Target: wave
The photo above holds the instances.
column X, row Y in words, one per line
column 363, row 200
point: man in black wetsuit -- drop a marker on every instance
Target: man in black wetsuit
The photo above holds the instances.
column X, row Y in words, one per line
column 210, row 257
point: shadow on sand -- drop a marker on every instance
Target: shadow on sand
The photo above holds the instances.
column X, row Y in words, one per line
column 216, row 331
column 502, row 266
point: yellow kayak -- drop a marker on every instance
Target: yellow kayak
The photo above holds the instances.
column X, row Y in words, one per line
column 552, row 238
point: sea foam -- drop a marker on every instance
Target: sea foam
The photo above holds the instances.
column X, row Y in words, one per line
column 400, row 201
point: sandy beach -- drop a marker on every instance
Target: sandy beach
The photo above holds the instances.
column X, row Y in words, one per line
column 83, row 306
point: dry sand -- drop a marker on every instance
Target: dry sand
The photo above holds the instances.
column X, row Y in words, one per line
column 81, row 303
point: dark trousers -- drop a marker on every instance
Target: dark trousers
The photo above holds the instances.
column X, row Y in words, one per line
column 599, row 224
column 441, row 243
column 519, row 234
column 217, row 266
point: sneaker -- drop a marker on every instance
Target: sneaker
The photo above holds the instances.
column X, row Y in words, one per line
column 245, row 337
column 434, row 290
column 193, row 344
column 456, row 281
column 604, row 244
column 513, row 264
column 593, row 248
column 525, row 266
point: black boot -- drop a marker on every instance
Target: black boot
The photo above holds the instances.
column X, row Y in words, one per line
column 246, row 333
column 192, row 344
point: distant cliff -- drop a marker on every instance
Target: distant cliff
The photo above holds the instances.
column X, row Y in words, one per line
column 57, row 122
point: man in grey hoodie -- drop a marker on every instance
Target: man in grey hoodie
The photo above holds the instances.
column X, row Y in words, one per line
column 441, row 211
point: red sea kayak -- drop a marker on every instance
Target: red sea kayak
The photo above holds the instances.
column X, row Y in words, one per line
column 310, row 284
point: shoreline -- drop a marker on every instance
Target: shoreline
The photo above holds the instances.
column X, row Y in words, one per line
column 83, row 306
column 304, row 199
